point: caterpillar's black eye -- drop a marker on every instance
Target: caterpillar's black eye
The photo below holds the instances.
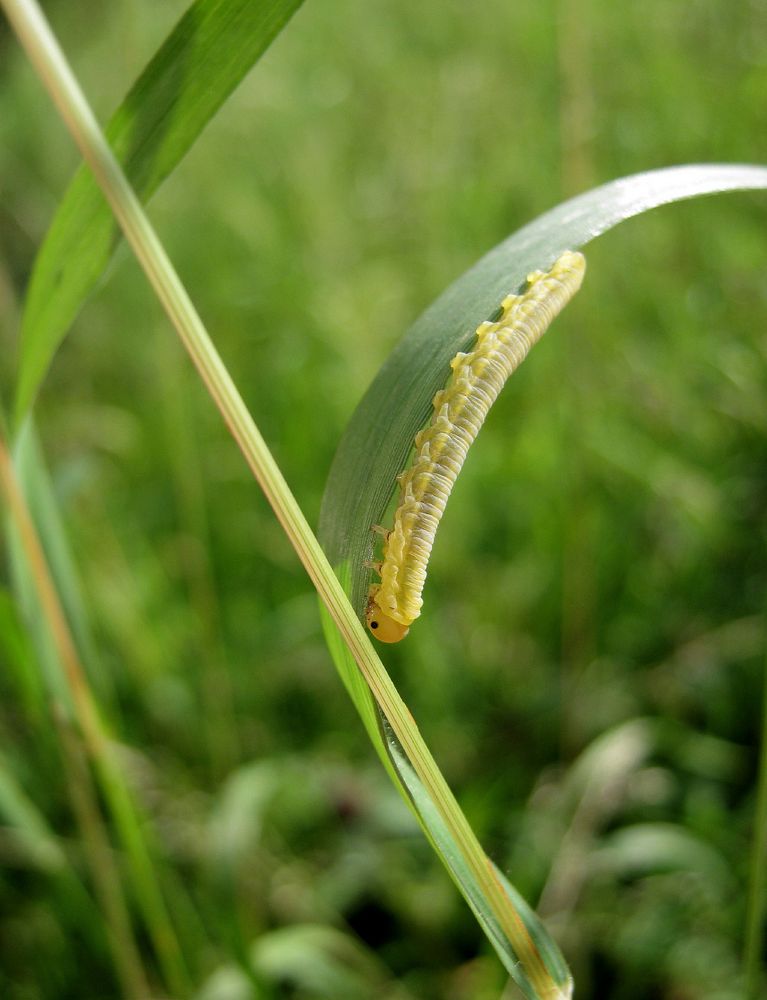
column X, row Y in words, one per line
column 374, row 624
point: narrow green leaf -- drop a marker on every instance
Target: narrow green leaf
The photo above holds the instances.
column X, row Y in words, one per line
column 43, row 505
column 444, row 843
column 20, row 814
column 17, row 656
column 380, row 435
column 322, row 961
column 201, row 62
column 647, row 848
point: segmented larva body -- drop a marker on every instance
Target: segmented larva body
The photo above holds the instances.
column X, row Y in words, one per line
column 441, row 447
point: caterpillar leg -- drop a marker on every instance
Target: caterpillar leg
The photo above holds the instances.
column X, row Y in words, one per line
column 376, row 564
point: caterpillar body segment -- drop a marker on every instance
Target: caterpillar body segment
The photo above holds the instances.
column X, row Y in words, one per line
column 441, row 446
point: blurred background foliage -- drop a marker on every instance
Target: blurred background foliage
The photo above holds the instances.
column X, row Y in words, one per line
column 588, row 668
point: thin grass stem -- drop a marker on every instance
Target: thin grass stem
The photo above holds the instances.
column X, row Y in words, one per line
column 116, row 793
column 100, row 858
column 753, row 963
column 50, row 63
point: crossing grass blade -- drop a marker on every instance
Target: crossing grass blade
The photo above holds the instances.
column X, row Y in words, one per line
column 202, row 61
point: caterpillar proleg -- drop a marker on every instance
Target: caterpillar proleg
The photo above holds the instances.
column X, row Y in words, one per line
column 441, row 447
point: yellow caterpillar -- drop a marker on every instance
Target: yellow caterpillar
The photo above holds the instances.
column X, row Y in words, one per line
column 441, row 447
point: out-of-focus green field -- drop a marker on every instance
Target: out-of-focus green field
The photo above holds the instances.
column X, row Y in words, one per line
column 588, row 668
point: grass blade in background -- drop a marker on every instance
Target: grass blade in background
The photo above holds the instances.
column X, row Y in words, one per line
column 201, row 62
column 71, row 695
column 753, row 957
column 37, row 487
column 21, row 817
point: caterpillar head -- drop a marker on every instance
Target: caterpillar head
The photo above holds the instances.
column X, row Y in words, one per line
column 384, row 628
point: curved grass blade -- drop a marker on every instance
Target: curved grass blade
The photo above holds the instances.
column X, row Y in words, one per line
column 380, row 433
column 379, row 438
column 198, row 66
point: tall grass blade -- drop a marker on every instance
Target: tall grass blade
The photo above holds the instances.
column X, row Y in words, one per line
column 753, row 954
column 72, row 696
column 35, row 841
column 18, row 659
column 48, row 59
column 198, row 66
column 36, row 485
column 379, row 437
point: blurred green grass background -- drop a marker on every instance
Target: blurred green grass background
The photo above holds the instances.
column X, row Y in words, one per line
column 601, row 566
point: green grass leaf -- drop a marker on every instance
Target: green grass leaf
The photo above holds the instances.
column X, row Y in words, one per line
column 32, row 837
column 201, row 62
column 378, row 439
column 380, row 435
column 43, row 504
